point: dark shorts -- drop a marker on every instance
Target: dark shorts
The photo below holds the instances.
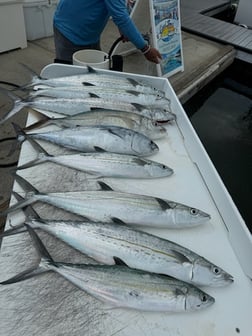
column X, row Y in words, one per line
column 65, row 49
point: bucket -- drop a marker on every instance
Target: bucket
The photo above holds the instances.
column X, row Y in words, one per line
column 94, row 58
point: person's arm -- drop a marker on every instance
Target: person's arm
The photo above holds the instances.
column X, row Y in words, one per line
column 119, row 13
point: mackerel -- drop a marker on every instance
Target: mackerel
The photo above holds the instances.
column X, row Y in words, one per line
column 94, row 77
column 103, row 164
column 121, row 286
column 70, row 107
column 99, row 117
column 107, row 205
column 63, row 106
column 117, row 94
column 113, row 243
column 96, row 139
column 154, row 112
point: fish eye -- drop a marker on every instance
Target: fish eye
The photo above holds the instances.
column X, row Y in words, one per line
column 216, row 270
column 194, row 211
column 163, row 166
column 204, row 298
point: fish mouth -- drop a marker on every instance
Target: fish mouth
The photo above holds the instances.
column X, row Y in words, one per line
column 154, row 147
column 229, row 278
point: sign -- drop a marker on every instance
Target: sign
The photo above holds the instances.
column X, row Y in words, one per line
column 166, row 30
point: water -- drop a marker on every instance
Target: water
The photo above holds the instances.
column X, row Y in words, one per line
column 222, row 117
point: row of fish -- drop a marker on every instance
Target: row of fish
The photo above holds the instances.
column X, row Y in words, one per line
column 168, row 272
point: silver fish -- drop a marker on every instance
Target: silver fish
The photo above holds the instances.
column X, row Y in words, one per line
column 121, row 286
column 97, row 138
column 106, row 165
column 155, row 112
column 107, row 205
column 93, row 77
column 70, row 107
column 109, row 243
column 116, row 94
column 133, row 121
column 60, row 105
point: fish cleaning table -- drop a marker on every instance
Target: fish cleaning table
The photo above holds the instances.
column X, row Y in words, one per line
column 49, row 305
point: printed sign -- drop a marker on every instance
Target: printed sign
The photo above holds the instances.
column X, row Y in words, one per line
column 165, row 17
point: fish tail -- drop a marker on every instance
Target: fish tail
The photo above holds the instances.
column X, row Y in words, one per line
column 43, row 265
column 42, row 154
column 20, row 139
column 35, row 78
column 29, row 199
column 18, row 104
column 29, row 212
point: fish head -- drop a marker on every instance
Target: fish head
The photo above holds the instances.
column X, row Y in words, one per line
column 206, row 273
column 156, row 128
column 196, row 299
column 156, row 169
column 142, row 145
column 186, row 216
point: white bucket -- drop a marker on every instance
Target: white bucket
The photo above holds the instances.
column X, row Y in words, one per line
column 94, row 58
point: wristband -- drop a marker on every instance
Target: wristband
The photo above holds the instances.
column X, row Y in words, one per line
column 146, row 49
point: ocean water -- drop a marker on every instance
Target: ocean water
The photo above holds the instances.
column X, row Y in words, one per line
column 222, row 117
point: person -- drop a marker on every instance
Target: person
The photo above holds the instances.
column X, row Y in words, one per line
column 79, row 24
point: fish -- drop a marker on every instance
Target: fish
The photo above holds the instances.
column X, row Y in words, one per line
column 110, row 244
column 70, row 107
column 60, row 105
column 96, row 139
column 93, row 77
column 103, row 164
column 119, row 285
column 107, row 205
column 113, row 93
column 98, row 117
column 155, row 112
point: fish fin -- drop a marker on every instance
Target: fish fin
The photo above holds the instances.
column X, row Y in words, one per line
column 15, row 86
column 28, row 210
column 119, row 261
column 21, row 136
column 40, row 247
column 99, row 149
column 90, row 69
column 134, row 93
column 118, row 221
column 139, row 107
column 163, row 203
column 18, row 104
column 133, row 81
column 27, row 274
column 114, row 131
column 40, row 268
column 14, row 230
column 93, row 95
column 42, row 154
column 35, row 78
column 25, row 184
column 87, row 84
column 18, row 205
column 104, row 186
column 181, row 257
column 29, row 199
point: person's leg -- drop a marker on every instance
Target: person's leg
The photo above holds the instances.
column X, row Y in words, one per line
column 65, row 49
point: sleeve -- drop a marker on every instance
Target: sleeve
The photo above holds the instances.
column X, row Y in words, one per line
column 118, row 11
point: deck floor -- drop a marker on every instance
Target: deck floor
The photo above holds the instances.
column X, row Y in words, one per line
column 193, row 20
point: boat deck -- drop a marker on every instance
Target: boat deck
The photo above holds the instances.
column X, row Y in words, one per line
column 195, row 19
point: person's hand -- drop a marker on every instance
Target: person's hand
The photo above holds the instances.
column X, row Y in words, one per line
column 153, row 55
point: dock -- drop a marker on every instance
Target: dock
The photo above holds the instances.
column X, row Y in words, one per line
column 198, row 19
